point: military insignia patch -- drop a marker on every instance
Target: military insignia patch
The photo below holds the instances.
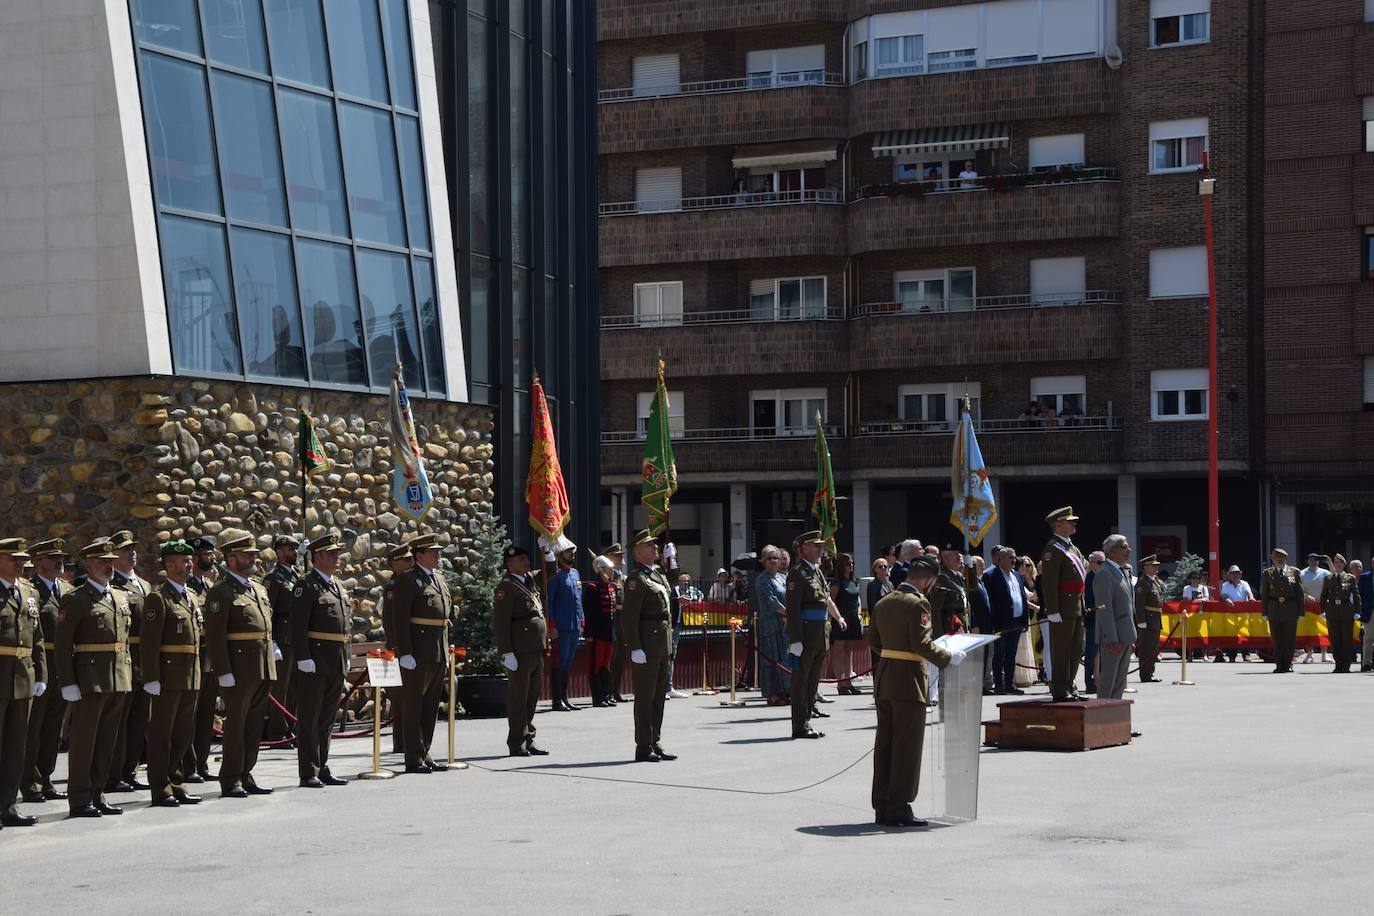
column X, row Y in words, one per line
column 298, row 592
column 500, row 593
column 150, row 614
column 631, row 585
column 1046, row 558
column 214, row 607
column 925, row 618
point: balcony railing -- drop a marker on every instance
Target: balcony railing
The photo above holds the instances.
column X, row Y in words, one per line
column 710, row 87
column 725, row 434
column 1021, row 425
column 983, row 183
column 723, row 202
column 734, row 316
column 987, row 303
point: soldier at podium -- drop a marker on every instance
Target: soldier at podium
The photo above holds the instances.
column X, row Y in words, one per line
column 1063, row 571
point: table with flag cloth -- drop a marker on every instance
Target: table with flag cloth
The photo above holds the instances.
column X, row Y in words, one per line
column 1218, row 625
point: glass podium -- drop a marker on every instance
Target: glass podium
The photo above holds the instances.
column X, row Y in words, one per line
column 949, row 764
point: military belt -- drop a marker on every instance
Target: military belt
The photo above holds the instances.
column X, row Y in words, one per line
column 328, row 637
column 898, row 653
column 133, row 640
column 180, row 650
column 16, row 651
column 429, row 621
column 1071, row 588
column 98, row 647
column 49, row 645
column 247, row 637
column 813, row 614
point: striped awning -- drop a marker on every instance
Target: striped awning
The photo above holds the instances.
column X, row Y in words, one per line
column 965, row 138
column 806, row 152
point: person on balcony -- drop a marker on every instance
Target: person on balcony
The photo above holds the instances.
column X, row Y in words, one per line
column 968, row 178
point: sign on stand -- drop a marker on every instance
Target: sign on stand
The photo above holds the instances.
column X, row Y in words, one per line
column 383, row 672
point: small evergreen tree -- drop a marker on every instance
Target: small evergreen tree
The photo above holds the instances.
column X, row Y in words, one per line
column 476, row 580
column 1185, row 567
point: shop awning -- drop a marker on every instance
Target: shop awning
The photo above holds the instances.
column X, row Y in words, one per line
column 774, row 154
column 965, row 138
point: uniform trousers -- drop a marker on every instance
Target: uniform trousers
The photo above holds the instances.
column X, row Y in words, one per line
column 1340, row 625
column 1066, row 648
column 395, row 697
column 1111, row 680
column 44, row 738
column 807, row 677
column 421, row 690
column 897, row 751
column 1147, row 644
column 1367, row 646
column 522, row 696
column 14, row 727
column 317, row 703
column 171, row 724
column 198, row 754
column 1285, row 636
column 618, row 666
column 278, row 726
column 90, row 753
column 651, row 690
column 132, row 732
column 245, row 710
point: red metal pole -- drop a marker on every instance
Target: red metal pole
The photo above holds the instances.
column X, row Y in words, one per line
column 1213, row 483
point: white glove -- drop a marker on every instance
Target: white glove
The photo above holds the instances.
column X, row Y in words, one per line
column 509, row 661
column 408, row 662
column 638, row 657
column 1140, row 626
column 794, row 649
column 153, row 688
column 306, row 666
column 226, row 680
column 956, row 656
column 1055, row 618
column 71, row 693
column 276, row 652
column 39, row 689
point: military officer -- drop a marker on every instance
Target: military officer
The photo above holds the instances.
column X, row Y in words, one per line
column 320, row 618
column 1281, row 603
column 398, row 561
column 93, row 666
column 901, row 636
column 22, row 674
column 169, row 650
column 646, row 628
column 45, row 715
column 522, row 638
column 1149, row 620
column 1063, row 571
column 616, row 555
column 129, row 744
column 949, row 608
column 422, row 609
column 808, row 631
column 238, row 635
column 280, row 582
column 203, row 575
column 1340, row 603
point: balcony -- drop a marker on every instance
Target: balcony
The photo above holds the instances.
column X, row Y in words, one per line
column 1007, row 445
column 618, row 19
column 787, row 106
column 986, row 330
column 722, row 343
column 1060, row 89
column 723, row 227
column 997, row 209
column 750, row 451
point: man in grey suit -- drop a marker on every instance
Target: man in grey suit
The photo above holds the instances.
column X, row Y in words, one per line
column 1115, row 618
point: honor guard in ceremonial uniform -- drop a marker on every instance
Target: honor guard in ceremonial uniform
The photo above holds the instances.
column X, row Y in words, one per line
column 45, row 715
column 808, row 630
column 600, row 595
column 421, row 610
column 238, row 635
column 949, row 608
column 96, row 673
column 398, row 562
column 1063, row 570
column 169, row 652
column 1340, row 604
column 1281, row 603
column 616, row 555
column 522, row 638
column 129, row 744
column 900, row 634
column 320, row 619
column 280, row 582
column 203, row 575
column 22, row 675
column 646, row 628
column 1149, row 617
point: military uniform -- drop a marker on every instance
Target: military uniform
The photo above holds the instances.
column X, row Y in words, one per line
column 238, row 635
column 646, row 626
column 949, row 610
column 518, row 621
column 45, row 715
column 133, row 729
column 1281, row 603
column 319, row 633
column 92, row 649
column 421, row 609
column 394, row 695
column 21, row 671
column 1149, row 620
column 618, row 652
column 280, row 583
column 1340, row 603
column 807, row 602
column 198, row 756
column 900, row 634
column 169, row 652
column 1063, row 571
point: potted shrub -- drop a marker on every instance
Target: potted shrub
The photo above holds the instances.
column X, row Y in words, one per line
column 482, row 677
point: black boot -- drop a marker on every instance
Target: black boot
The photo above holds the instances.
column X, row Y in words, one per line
column 599, row 689
column 563, row 691
column 555, row 691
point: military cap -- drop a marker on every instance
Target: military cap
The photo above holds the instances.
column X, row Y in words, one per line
column 53, row 547
column 286, row 540
column 176, row 548
column 615, row 550
column 512, row 551
column 1146, row 561
column 239, row 542
column 121, row 539
column 203, row 543
column 99, row 550
column 14, row 547
column 424, row 542
column 1338, row 559
column 1279, row 551
column 924, row 564
column 644, row 537
column 1062, row 514
column 325, row 542
column 571, row 546
column 954, row 547
column 399, row 552
column 811, row 537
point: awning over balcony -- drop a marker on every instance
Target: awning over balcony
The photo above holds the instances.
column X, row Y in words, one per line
column 808, row 152
column 965, row 138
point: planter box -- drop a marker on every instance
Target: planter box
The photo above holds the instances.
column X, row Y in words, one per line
column 1075, row 726
column 483, row 696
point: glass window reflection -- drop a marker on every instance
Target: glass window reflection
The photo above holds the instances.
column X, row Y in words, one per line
column 195, row 270
column 234, row 33
column 388, row 316
column 520, row 325
column 519, row 152
column 428, row 307
column 374, row 189
column 478, row 136
column 355, row 47
column 314, row 178
column 402, row 68
column 296, row 31
column 248, row 149
column 178, row 123
column 168, row 24
column 479, row 322
column 329, row 301
column 413, row 176
column 265, row 296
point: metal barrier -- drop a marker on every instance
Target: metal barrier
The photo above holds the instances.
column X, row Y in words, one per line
column 722, row 201
column 786, row 80
column 987, row 303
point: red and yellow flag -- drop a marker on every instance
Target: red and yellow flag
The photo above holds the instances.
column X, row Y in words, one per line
column 545, row 493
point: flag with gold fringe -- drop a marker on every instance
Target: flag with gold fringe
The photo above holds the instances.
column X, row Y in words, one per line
column 974, row 508
column 823, row 503
column 659, row 470
column 310, row 452
column 546, row 495
column 410, row 488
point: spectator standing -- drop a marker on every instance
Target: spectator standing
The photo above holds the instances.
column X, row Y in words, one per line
column 771, row 587
column 880, row 585
column 686, row 590
column 1010, row 612
column 980, row 617
column 907, row 551
column 675, row 611
column 722, row 591
column 1116, row 626
column 1090, row 646
column 968, row 178
column 844, row 591
column 1313, row 580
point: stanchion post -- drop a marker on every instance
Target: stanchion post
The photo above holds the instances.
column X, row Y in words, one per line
column 706, row 688
column 734, row 628
column 377, row 772
column 1183, row 673
column 454, row 655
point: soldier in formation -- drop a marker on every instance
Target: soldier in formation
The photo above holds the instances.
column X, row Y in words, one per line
column 1149, row 617
column 522, row 638
column 22, row 673
column 646, row 632
column 421, row 610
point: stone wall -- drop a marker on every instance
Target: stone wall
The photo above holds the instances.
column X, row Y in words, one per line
column 172, row 457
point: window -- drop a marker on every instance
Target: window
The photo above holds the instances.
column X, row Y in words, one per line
column 292, row 205
column 935, row 408
column 961, row 59
column 1071, row 28
column 787, row 412
column 658, row 189
column 1369, row 253
column 952, row 37
column 1178, row 273
column 1012, row 34
column 1369, row 10
column 643, row 402
column 785, row 66
column 1058, row 281
column 657, row 74
column 1177, row 146
column 1367, row 396
column 1064, row 394
column 861, row 60
column 658, row 303
column 900, row 55
column 950, row 290
column 787, row 299
column 1174, row 22
column 789, row 184
column 1178, row 394
column 1055, row 151
column 1368, row 116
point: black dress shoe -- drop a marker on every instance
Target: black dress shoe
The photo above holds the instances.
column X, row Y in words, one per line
column 417, row 768
column 330, row 779
column 662, row 754
column 514, row 752
column 537, row 751
column 1016, row 691
column 1151, row 680
column 646, row 757
column 817, row 714
column 253, row 788
column 236, row 790
column 107, row 810
column 186, row 798
column 194, row 778
column 119, row 785
column 808, row 733
column 34, row 798
column 907, row 822
column 1135, row 734
column 86, row 810
column 17, row 820
column 436, row 766
column 134, row 783
column 821, row 698
column 204, row 775
column 166, row 801
column 52, row 794
column 311, row 782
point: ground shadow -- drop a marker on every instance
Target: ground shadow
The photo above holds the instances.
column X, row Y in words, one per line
column 772, row 740
column 865, row 829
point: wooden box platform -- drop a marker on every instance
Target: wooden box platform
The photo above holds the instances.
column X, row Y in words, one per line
column 1080, row 725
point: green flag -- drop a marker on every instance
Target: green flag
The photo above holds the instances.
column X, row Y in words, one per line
column 309, row 452
column 659, row 471
column 823, row 506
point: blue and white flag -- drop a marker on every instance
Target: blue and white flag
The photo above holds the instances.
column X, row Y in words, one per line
column 974, row 508
column 409, row 486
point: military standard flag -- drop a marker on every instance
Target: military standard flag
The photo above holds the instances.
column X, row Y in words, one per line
column 309, row 452
column 410, row 488
column 974, row 507
column 823, row 504
column 659, row 471
column 546, row 495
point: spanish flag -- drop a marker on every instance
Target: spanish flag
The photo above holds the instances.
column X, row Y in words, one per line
column 545, row 493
